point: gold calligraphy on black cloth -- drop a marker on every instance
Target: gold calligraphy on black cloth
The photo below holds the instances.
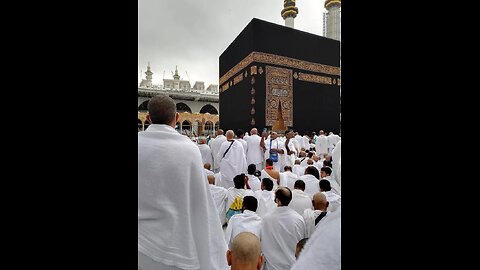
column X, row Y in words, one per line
column 279, row 96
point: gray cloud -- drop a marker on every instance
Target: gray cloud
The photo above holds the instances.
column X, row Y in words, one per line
column 193, row 33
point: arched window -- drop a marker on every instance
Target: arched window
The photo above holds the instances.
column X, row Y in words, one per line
column 143, row 106
column 208, row 109
column 182, row 107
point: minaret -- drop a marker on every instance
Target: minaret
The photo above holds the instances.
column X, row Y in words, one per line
column 333, row 19
column 289, row 12
column 147, row 82
column 149, row 73
column 176, row 76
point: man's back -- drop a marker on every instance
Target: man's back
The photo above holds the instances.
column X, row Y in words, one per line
column 272, row 175
column 323, row 248
column 244, row 144
column 321, row 145
column 232, row 161
column 266, row 202
column 287, row 179
column 207, row 156
column 281, row 231
column 300, row 201
column 248, row 221
column 219, row 195
column 254, row 182
column 331, row 142
column 333, row 183
column 254, row 151
column 216, row 143
column 334, row 200
column 336, row 154
column 306, row 142
column 162, row 207
column 309, row 216
column 311, row 184
column 299, row 170
column 237, row 192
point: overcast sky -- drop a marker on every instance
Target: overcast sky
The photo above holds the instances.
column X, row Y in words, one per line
column 193, row 33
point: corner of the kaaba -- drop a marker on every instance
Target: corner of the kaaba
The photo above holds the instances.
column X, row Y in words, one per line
column 275, row 74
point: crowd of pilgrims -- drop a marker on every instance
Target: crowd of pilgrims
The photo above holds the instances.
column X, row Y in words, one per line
column 277, row 198
column 312, row 177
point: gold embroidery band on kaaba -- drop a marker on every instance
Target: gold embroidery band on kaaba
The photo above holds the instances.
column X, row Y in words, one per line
column 314, row 78
column 284, row 61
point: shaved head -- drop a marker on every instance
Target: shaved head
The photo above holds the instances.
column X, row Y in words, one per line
column 320, row 201
column 245, row 252
column 230, row 134
column 211, row 179
column 220, row 132
column 253, row 131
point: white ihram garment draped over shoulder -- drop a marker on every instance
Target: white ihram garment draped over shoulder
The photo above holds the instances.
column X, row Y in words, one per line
column 248, row 221
column 254, row 150
column 173, row 198
column 206, row 152
column 215, row 146
column 323, row 248
column 234, row 162
column 281, row 231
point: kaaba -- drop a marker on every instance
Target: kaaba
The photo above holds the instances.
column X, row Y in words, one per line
column 278, row 77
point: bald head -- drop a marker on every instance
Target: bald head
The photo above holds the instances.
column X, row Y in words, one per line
column 202, row 140
column 211, row 179
column 253, row 131
column 244, row 252
column 320, row 202
column 220, row 132
column 230, row 134
column 162, row 110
